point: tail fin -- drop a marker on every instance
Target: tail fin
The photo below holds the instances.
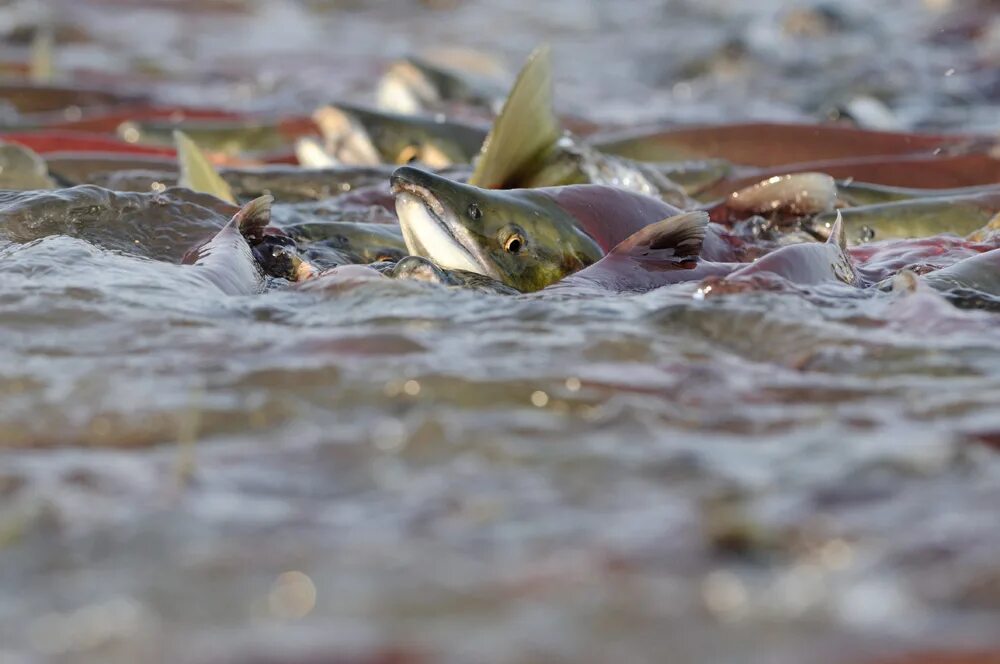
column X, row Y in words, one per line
column 253, row 218
column 197, row 172
column 525, row 129
column 677, row 239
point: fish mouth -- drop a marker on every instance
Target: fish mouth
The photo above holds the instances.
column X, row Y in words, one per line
column 346, row 140
column 432, row 230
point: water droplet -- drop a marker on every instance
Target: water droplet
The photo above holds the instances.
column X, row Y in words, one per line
column 724, row 595
column 539, row 398
column 292, row 596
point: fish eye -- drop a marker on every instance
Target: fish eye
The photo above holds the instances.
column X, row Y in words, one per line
column 475, row 212
column 514, row 243
column 408, row 155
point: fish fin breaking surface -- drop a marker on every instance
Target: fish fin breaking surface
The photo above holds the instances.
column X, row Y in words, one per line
column 197, row 172
column 525, row 129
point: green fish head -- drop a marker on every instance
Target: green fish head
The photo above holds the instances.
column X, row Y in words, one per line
column 518, row 237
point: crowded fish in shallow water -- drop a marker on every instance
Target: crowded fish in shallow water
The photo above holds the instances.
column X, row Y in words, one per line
column 525, row 206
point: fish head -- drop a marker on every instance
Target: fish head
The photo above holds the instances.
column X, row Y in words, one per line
column 520, row 238
column 358, row 136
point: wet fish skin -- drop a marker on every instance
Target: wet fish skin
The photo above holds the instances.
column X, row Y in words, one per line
column 922, row 217
column 980, row 273
column 769, row 144
column 527, row 238
column 667, row 252
column 227, row 261
column 73, row 168
column 359, row 136
column 355, row 242
column 855, row 194
column 418, row 268
column 224, row 136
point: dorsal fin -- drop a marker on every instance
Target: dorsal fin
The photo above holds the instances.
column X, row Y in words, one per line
column 837, row 234
column 525, row 129
column 41, row 65
column 253, row 218
column 197, row 172
column 678, row 238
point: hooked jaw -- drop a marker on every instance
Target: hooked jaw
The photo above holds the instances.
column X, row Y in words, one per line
column 431, row 228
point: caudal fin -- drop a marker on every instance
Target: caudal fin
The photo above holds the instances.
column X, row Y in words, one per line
column 677, row 239
column 253, row 218
column 525, row 129
column 197, row 172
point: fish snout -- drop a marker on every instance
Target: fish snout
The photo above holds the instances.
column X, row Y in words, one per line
column 408, row 178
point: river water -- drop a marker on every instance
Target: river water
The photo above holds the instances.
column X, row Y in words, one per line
column 399, row 472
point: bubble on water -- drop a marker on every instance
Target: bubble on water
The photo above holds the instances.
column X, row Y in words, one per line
column 725, row 595
column 292, row 596
column 389, row 435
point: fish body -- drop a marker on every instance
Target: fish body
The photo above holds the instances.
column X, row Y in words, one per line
column 227, row 260
column 920, row 217
column 526, row 238
column 769, row 144
column 664, row 253
column 226, row 136
column 363, row 137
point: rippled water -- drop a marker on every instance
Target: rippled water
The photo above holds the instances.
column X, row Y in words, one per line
column 389, row 471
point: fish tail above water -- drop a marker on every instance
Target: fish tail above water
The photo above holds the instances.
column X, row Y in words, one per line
column 253, row 218
column 526, row 129
column 227, row 261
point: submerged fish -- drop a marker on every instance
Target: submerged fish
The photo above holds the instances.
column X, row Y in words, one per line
column 357, row 136
column 526, row 238
column 417, row 268
column 768, row 144
column 980, row 273
column 856, row 193
column 924, row 171
column 227, row 136
column 920, row 217
column 73, row 168
column 351, row 241
column 805, row 264
column 40, row 98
